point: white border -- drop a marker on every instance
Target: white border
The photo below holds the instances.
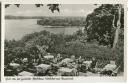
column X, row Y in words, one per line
column 66, row 1
column 76, row 79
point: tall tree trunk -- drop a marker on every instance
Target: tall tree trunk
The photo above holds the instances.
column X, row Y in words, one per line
column 116, row 37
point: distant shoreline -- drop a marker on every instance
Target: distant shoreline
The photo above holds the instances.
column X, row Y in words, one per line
column 52, row 21
column 40, row 17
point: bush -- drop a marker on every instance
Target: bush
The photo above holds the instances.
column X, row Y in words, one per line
column 67, row 45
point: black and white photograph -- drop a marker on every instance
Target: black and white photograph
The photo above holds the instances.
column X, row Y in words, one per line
column 64, row 40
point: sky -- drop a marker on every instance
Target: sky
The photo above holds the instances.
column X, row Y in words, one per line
column 65, row 10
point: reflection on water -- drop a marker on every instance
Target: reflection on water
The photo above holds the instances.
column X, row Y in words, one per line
column 16, row 29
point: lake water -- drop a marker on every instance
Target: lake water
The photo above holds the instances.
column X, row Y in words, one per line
column 16, row 29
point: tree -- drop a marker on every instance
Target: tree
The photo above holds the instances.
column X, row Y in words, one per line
column 118, row 26
column 104, row 24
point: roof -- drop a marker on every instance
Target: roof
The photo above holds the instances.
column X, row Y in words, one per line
column 63, row 69
column 49, row 56
column 109, row 67
column 67, row 60
column 14, row 64
column 43, row 66
column 25, row 73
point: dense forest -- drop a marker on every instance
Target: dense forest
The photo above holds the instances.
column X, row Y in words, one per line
column 62, row 21
column 103, row 38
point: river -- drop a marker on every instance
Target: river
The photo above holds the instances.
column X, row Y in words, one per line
column 16, row 29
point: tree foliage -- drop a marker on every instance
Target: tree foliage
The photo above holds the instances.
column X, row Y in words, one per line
column 106, row 25
column 101, row 23
column 41, row 42
column 52, row 7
